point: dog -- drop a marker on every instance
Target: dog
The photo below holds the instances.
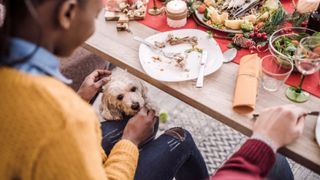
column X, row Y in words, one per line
column 123, row 95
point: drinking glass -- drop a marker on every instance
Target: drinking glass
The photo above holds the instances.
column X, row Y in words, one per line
column 307, row 61
column 275, row 72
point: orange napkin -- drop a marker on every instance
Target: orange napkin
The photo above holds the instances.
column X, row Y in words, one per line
column 247, row 84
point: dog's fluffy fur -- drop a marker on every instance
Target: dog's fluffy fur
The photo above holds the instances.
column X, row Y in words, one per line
column 123, row 95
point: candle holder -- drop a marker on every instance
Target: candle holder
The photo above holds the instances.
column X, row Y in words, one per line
column 154, row 11
column 177, row 12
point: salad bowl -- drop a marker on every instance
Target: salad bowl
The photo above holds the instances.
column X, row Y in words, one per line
column 284, row 42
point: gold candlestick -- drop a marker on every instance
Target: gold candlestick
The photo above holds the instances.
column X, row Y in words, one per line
column 154, row 11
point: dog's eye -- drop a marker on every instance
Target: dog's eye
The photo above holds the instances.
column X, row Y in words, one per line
column 133, row 89
column 120, row 97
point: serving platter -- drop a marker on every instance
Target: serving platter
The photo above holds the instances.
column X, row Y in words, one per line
column 164, row 70
column 238, row 16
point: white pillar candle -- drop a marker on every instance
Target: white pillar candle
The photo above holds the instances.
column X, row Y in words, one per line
column 177, row 13
column 307, row 6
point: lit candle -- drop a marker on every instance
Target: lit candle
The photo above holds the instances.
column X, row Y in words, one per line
column 307, row 6
column 177, row 13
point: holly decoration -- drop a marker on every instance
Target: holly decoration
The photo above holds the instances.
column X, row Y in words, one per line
column 255, row 40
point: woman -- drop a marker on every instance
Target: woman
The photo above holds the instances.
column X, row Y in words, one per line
column 47, row 131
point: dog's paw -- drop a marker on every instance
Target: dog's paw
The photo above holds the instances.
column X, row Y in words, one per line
column 152, row 106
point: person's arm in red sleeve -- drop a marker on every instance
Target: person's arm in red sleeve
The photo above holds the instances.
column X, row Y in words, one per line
column 275, row 128
column 252, row 161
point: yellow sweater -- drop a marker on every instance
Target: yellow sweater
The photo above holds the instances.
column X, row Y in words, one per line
column 47, row 132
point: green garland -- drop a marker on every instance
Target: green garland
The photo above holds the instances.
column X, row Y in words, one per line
column 277, row 17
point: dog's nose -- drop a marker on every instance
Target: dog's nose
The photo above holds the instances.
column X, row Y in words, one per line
column 135, row 106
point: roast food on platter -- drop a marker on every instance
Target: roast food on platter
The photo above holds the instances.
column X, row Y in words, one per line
column 237, row 16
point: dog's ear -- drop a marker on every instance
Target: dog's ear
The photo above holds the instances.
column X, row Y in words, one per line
column 108, row 110
column 144, row 90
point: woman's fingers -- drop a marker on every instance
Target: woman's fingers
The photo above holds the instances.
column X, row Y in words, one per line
column 102, row 82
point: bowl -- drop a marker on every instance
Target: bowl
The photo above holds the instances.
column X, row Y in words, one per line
column 281, row 36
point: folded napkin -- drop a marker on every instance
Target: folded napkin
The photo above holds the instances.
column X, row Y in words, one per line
column 247, row 84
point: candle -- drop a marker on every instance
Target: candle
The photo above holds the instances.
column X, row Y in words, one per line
column 177, row 13
column 307, row 6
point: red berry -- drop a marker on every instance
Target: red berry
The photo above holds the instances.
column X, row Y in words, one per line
column 289, row 30
column 259, row 47
column 304, row 24
column 265, row 37
column 259, row 35
column 131, row 2
column 248, row 42
column 252, row 48
column 282, row 31
column 264, row 34
column 255, row 29
column 252, row 35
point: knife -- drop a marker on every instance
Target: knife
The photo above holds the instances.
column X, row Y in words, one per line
column 203, row 61
column 318, row 130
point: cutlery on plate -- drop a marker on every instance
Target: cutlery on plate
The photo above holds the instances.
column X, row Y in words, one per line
column 169, row 55
column 203, row 61
column 312, row 113
column 229, row 55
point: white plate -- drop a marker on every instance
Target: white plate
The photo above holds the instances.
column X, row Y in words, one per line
column 163, row 71
column 318, row 130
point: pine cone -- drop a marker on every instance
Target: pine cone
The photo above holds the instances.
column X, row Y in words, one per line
column 242, row 41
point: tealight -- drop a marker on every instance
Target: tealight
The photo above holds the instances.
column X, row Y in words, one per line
column 177, row 13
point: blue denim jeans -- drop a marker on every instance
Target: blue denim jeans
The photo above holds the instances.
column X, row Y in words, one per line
column 173, row 154
column 281, row 169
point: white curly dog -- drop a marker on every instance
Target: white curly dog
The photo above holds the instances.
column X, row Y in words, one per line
column 123, row 95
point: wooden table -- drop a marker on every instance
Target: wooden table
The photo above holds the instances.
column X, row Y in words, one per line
column 214, row 99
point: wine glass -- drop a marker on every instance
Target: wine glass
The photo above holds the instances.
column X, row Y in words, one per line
column 154, row 11
column 307, row 61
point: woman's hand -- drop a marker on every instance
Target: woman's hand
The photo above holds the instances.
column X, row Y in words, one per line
column 93, row 83
column 282, row 124
column 140, row 127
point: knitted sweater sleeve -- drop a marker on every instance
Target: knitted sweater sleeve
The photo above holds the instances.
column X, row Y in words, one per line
column 74, row 153
column 252, row 161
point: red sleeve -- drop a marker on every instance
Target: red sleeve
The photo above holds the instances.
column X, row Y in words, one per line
column 252, row 161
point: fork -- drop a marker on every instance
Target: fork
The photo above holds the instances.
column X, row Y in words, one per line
column 245, row 8
column 311, row 113
column 169, row 55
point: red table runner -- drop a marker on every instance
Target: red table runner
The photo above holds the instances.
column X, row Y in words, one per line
column 159, row 23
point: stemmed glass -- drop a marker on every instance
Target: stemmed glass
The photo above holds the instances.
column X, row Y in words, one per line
column 307, row 61
column 154, row 11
